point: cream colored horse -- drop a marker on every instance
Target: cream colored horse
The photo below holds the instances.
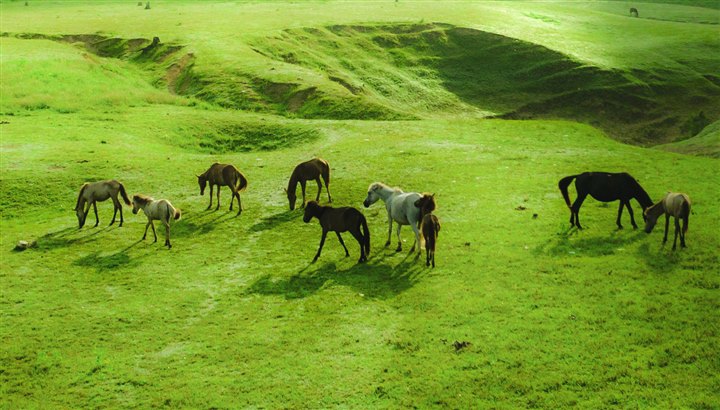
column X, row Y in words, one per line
column 92, row 192
column 673, row 204
column 161, row 210
column 400, row 208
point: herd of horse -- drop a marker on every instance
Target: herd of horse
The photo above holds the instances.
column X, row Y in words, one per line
column 404, row 208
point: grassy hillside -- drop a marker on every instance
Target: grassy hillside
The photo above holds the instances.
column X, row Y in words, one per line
column 645, row 81
column 520, row 312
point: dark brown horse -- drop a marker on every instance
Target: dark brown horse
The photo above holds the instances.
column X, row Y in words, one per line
column 223, row 175
column 92, row 192
column 345, row 219
column 605, row 187
column 307, row 171
column 429, row 226
column 673, row 204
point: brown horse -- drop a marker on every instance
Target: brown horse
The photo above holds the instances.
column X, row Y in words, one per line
column 340, row 220
column 92, row 192
column 306, row 171
column 161, row 210
column 429, row 226
column 673, row 204
column 223, row 175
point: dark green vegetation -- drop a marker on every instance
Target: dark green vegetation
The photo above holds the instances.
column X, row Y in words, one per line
column 520, row 312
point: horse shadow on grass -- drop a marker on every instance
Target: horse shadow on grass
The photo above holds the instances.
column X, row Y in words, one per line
column 103, row 263
column 659, row 258
column 570, row 242
column 374, row 279
column 272, row 221
column 193, row 224
column 70, row 236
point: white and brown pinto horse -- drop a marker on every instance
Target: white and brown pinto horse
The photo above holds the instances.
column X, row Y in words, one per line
column 161, row 210
column 673, row 204
column 400, row 208
column 92, row 192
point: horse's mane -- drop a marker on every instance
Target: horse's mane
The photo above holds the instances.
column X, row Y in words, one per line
column 82, row 189
column 381, row 185
column 142, row 199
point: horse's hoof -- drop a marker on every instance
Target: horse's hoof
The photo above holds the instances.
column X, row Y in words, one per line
column 387, row 243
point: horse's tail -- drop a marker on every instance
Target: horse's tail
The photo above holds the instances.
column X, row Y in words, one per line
column 124, row 194
column 563, row 185
column 326, row 172
column 242, row 181
column 79, row 200
column 686, row 214
column 366, row 234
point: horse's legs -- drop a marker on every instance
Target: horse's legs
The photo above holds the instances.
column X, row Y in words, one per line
column 389, row 229
column 359, row 237
column 167, row 233
column 218, row 198
column 239, row 202
column 342, row 243
column 327, row 187
column 677, row 229
column 632, row 216
column 322, row 242
column 575, row 210
column 317, row 180
column 620, row 209
column 667, row 224
column 232, row 195
column 683, row 230
column 211, row 195
column 152, row 225
column 302, row 185
column 97, row 221
column 116, row 206
column 121, row 215
column 147, row 225
column 399, row 247
column 417, row 238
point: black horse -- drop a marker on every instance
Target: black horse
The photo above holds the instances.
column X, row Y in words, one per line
column 605, row 187
column 345, row 219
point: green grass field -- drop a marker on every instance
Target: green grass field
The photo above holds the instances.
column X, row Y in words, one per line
column 486, row 104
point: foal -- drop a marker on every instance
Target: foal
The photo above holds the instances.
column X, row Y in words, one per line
column 429, row 226
column 340, row 220
column 675, row 204
column 161, row 209
column 92, row 192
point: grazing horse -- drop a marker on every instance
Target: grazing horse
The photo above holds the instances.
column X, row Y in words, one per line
column 400, row 208
column 673, row 204
column 340, row 220
column 161, row 210
column 223, row 175
column 92, row 192
column 429, row 226
column 306, row 171
column 605, row 187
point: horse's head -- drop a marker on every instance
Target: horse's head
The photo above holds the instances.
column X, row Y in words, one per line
column 138, row 202
column 291, row 198
column 80, row 216
column 202, row 181
column 311, row 209
column 426, row 203
column 372, row 195
column 650, row 219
